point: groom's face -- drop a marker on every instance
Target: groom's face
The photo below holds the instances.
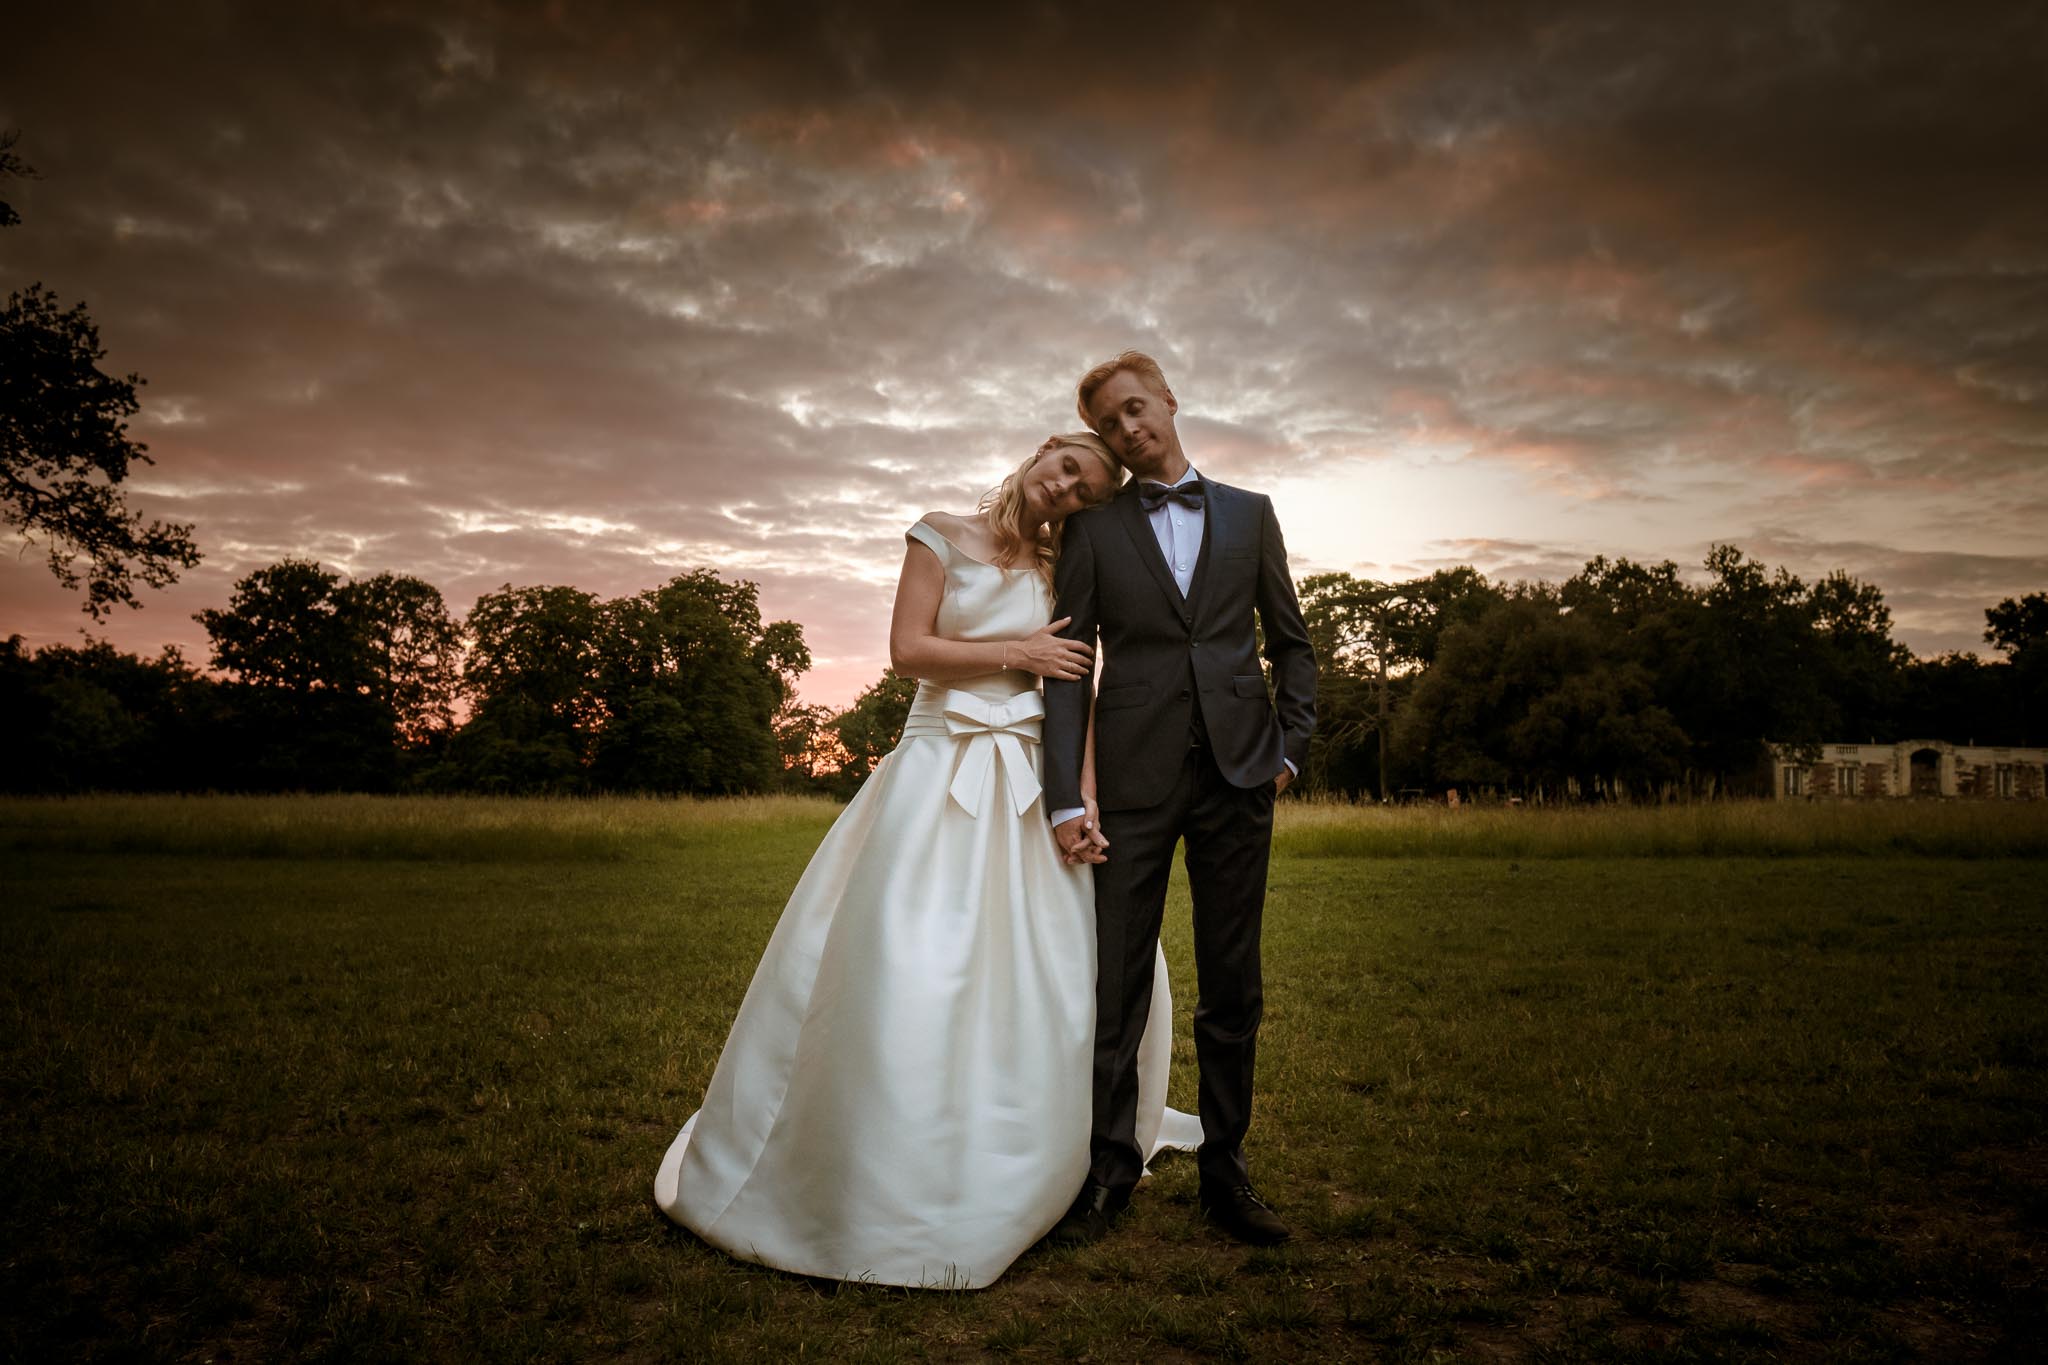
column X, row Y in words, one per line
column 1137, row 422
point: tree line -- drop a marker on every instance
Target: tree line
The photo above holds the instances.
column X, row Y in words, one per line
column 1623, row 682
column 323, row 684
column 1628, row 682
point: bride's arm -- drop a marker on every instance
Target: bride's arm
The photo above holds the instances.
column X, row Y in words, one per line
column 916, row 650
column 1090, row 812
column 1088, row 758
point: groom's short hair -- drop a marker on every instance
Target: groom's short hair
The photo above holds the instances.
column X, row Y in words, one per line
column 1137, row 362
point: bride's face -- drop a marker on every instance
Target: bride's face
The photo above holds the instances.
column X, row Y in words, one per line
column 1065, row 479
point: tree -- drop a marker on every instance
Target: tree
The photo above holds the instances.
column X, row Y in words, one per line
column 1861, row 668
column 1340, row 754
column 2015, row 626
column 1372, row 640
column 539, row 644
column 1746, row 671
column 872, row 726
column 1597, row 727
column 1357, row 627
column 297, row 701
column 808, row 747
column 531, row 676
column 298, row 626
column 1644, row 613
column 286, row 626
column 2018, row 628
column 507, row 747
column 337, row 676
column 674, row 689
column 12, row 167
column 412, row 650
column 90, row 718
column 1446, row 598
column 1960, row 698
column 65, row 450
column 1453, row 731
column 1533, row 695
column 691, row 681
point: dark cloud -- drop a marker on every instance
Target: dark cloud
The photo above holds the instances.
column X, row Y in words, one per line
column 596, row 293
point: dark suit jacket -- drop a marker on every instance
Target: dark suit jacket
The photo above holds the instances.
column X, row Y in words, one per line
column 1164, row 655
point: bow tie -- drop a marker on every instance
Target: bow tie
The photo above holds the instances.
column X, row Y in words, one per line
column 1190, row 494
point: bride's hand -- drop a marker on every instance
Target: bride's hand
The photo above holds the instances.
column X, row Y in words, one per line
column 1043, row 652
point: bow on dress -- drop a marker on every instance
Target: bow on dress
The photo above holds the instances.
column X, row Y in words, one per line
column 994, row 730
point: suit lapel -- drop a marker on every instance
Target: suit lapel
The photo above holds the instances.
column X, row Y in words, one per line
column 1132, row 513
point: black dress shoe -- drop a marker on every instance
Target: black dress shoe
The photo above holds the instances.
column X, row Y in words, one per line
column 1239, row 1211
column 1094, row 1209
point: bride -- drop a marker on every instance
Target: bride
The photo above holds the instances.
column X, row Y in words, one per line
column 904, row 1097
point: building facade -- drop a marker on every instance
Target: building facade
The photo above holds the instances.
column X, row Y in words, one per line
column 1916, row 767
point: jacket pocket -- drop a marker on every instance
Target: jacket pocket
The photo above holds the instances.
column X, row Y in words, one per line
column 1253, row 686
column 1131, row 694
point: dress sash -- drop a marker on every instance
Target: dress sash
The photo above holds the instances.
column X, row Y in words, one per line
column 994, row 730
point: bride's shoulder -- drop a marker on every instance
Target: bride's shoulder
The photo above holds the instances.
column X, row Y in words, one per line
column 969, row 535
column 952, row 523
column 936, row 532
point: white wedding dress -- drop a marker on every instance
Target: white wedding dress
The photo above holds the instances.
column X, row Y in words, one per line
column 904, row 1097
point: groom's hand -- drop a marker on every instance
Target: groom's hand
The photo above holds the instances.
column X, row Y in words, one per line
column 1091, row 822
column 1280, row 782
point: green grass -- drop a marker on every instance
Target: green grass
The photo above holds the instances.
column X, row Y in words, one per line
column 463, row 829
column 363, row 1079
column 489, row 829
column 1730, row 829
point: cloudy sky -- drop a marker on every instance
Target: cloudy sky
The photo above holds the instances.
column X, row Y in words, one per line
column 593, row 294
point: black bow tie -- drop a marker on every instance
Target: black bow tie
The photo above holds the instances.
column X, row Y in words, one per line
column 1190, row 494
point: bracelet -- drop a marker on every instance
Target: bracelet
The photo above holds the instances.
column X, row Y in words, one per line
column 1006, row 654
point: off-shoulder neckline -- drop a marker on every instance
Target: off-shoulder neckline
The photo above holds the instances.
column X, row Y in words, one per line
column 926, row 520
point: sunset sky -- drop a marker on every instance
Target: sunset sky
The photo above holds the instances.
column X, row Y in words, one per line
column 595, row 294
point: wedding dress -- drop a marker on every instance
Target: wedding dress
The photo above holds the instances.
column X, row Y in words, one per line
column 904, row 1097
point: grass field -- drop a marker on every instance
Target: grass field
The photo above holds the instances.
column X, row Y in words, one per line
column 362, row 1079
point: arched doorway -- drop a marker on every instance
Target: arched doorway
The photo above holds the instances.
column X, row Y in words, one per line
column 1926, row 772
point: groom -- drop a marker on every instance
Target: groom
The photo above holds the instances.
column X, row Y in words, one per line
column 1187, row 746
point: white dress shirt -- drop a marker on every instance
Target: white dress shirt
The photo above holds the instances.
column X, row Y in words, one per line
column 1179, row 532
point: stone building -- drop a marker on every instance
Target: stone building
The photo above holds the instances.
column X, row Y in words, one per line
column 1917, row 767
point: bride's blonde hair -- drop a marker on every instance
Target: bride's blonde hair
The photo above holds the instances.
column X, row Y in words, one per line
column 1016, row 542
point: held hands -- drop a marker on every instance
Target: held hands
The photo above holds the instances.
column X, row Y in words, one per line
column 1043, row 652
column 1080, row 839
